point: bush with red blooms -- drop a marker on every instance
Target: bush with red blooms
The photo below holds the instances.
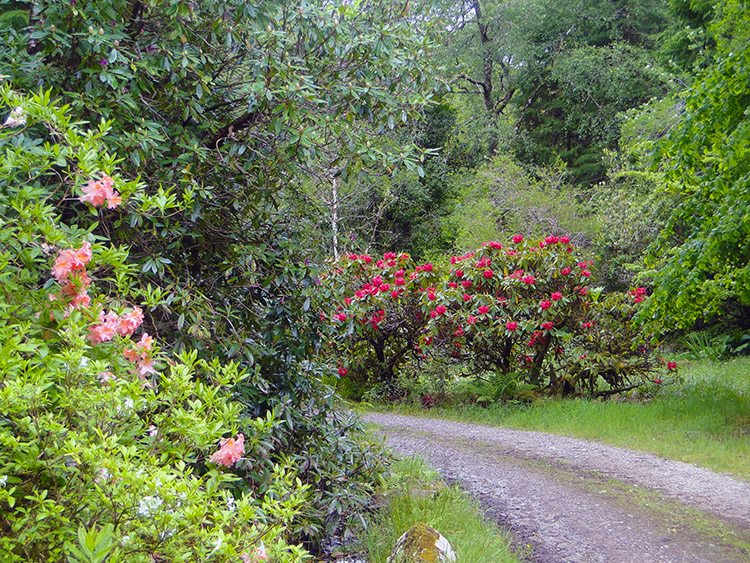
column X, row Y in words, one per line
column 522, row 307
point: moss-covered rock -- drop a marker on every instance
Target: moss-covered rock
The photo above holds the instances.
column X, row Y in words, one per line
column 422, row 544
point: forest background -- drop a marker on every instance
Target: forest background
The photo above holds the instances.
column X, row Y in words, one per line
column 253, row 142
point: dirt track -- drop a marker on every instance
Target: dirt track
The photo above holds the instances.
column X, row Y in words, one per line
column 578, row 501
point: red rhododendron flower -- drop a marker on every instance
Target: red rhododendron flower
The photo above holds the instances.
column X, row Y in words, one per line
column 459, row 273
column 545, row 305
column 564, row 239
column 466, row 284
column 551, row 239
column 511, row 325
column 384, row 287
column 377, row 280
column 340, row 317
column 487, row 274
column 547, row 325
column 586, row 274
column 671, row 366
column 431, row 296
column 556, row 296
column 566, row 271
column 452, row 284
column 518, row 238
column 471, row 319
column 528, row 280
column 365, row 258
column 483, row 309
column 395, row 293
column 440, row 309
column 433, row 314
column 399, row 281
column 467, row 297
column 657, row 381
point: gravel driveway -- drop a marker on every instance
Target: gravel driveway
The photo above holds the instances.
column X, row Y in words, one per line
column 577, row 501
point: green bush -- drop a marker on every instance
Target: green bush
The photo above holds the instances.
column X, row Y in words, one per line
column 105, row 441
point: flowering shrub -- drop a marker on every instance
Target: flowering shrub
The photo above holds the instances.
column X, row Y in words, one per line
column 105, row 439
column 521, row 307
column 378, row 321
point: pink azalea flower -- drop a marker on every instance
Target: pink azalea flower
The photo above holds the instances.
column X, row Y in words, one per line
column 230, row 451
column 145, row 367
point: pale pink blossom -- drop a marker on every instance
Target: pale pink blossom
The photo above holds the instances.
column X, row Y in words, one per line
column 258, row 554
column 69, row 260
column 129, row 322
column 230, row 451
column 145, row 367
column 105, row 376
column 105, row 330
column 99, row 192
column 81, row 299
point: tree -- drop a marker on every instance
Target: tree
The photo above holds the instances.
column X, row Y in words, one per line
column 701, row 260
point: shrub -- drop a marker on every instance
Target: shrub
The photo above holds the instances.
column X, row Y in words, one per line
column 105, row 441
column 523, row 309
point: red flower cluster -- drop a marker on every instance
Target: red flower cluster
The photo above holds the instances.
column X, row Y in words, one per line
column 638, row 294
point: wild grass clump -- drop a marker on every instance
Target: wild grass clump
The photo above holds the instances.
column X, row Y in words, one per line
column 413, row 494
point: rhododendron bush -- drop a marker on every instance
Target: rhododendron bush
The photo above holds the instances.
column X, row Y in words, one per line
column 522, row 307
column 110, row 448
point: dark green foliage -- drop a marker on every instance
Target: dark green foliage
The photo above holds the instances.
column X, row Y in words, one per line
column 222, row 109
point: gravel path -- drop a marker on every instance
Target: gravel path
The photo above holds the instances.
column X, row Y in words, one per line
column 578, row 501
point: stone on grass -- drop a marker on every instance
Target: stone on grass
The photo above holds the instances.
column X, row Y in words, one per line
column 422, row 544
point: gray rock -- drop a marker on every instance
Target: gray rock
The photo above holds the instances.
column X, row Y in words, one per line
column 422, row 544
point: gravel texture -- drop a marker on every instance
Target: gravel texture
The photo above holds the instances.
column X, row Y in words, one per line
column 571, row 500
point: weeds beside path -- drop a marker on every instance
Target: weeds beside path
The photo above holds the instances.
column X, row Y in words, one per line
column 574, row 500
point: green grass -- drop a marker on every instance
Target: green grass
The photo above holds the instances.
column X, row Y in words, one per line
column 705, row 420
column 415, row 494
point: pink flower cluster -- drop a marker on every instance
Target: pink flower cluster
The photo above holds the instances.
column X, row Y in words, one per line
column 141, row 355
column 99, row 192
column 69, row 271
column 111, row 324
column 230, row 451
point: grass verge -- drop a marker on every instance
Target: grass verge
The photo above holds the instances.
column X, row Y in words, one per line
column 412, row 493
column 704, row 421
